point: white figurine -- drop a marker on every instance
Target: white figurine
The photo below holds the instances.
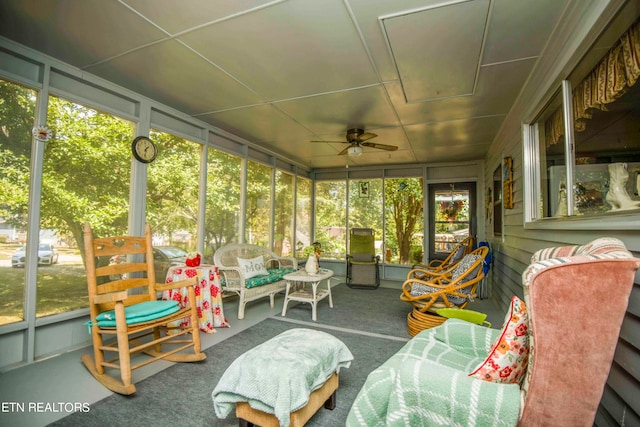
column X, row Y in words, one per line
column 562, row 201
column 618, row 197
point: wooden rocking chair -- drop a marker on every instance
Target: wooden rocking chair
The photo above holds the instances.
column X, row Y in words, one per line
column 126, row 318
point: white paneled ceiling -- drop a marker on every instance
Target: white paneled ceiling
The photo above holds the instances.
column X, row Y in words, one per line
column 435, row 78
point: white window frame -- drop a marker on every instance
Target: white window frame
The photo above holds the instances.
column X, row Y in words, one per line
column 533, row 192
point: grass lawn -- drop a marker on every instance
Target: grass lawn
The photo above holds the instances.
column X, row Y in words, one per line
column 60, row 288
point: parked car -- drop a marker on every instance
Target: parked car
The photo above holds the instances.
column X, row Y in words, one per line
column 47, row 255
column 164, row 257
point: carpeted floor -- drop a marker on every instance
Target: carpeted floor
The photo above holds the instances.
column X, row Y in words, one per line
column 371, row 323
column 379, row 310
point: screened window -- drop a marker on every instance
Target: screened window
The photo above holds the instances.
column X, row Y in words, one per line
column 331, row 218
column 365, row 207
column 85, row 177
column 258, row 205
column 222, row 211
column 303, row 215
column 172, row 191
column 404, row 220
column 17, row 109
column 283, row 239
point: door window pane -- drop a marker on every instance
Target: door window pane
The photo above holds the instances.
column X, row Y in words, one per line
column 17, row 109
column 331, row 217
column 452, row 220
column 223, row 200
column 87, row 165
column 283, row 228
column 404, row 220
column 258, row 210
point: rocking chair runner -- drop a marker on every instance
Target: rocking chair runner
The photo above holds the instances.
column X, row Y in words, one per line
column 126, row 309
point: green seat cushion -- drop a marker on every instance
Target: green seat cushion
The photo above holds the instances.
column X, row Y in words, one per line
column 139, row 313
column 463, row 314
column 274, row 275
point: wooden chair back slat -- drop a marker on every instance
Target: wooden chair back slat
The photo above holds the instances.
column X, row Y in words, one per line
column 121, row 285
column 119, row 269
column 119, row 245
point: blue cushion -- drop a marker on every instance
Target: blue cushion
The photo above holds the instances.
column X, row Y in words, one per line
column 139, row 313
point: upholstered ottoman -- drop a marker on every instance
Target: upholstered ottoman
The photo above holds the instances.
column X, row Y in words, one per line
column 283, row 381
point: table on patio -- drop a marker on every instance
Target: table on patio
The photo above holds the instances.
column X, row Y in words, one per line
column 208, row 295
column 296, row 290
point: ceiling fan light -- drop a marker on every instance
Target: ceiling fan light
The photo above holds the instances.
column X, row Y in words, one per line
column 354, row 151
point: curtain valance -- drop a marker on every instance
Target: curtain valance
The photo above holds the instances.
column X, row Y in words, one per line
column 611, row 78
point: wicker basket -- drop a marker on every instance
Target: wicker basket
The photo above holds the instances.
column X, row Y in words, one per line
column 418, row 321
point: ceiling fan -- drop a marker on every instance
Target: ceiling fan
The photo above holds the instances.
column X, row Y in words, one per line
column 358, row 138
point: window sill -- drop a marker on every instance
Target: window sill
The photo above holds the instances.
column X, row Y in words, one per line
column 611, row 221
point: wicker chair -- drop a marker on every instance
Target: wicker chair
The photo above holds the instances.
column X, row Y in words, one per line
column 454, row 287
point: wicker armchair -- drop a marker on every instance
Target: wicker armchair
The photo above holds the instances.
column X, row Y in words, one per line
column 454, row 287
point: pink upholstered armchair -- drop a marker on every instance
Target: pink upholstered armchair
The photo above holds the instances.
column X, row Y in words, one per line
column 577, row 297
column 460, row 373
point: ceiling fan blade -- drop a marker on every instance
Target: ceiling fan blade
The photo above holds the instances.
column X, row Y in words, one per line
column 379, row 146
column 343, row 152
column 333, row 142
column 366, row 136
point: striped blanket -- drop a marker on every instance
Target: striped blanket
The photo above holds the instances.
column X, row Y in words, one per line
column 426, row 383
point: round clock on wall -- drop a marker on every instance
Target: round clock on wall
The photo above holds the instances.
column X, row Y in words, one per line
column 144, row 150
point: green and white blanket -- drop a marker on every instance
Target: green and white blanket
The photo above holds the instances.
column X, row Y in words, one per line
column 278, row 376
column 427, row 384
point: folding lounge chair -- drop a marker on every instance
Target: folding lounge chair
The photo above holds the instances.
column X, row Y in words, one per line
column 363, row 265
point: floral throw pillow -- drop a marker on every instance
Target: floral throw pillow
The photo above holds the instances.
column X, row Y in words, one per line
column 507, row 359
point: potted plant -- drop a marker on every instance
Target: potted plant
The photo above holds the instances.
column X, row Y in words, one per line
column 312, row 253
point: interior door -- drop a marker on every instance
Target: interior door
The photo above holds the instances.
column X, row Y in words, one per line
column 452, row 216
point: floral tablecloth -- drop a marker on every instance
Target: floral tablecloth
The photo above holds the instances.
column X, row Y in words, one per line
column 208, row 295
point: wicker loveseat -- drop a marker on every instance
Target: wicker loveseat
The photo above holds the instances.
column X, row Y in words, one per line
column 235, row 278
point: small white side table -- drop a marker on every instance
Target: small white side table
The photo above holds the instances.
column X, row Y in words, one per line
column 296, row 290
